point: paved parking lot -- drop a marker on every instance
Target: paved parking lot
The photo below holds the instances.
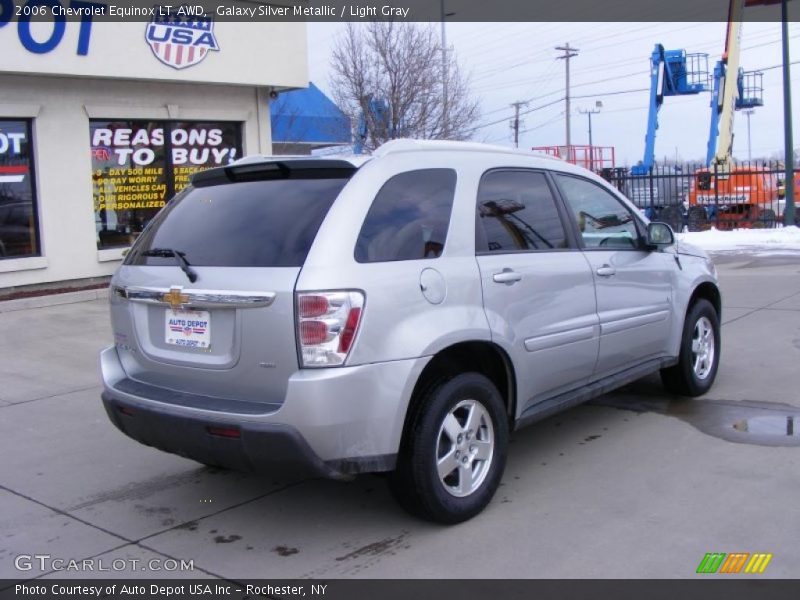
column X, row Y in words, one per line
column 635, row 485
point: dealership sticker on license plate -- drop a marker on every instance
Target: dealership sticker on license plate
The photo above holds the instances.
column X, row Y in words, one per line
column 188, row 328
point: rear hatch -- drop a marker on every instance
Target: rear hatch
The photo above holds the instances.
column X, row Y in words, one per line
column 242, row 234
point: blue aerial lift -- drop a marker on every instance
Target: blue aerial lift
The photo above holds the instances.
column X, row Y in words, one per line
column 672, row 73
column 375, row 110
column 749, row 93
column 658, row 194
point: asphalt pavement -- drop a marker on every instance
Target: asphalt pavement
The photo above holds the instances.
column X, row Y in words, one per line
column 636, row 484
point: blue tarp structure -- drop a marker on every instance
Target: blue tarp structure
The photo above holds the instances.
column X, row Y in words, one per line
column 308, row 116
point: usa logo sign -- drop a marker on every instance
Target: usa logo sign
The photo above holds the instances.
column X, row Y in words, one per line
column 181, row 40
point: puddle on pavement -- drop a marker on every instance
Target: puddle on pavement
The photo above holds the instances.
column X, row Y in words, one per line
column 768, row 426
column 743, row 422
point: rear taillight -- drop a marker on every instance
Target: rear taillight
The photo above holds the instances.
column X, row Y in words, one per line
column 349, row 331
column 327, row 324
column 312, row 305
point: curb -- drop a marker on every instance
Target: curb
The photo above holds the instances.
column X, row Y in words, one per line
column 53, row 300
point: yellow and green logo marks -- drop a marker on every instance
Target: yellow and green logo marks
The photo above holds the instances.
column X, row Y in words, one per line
column 735, row 562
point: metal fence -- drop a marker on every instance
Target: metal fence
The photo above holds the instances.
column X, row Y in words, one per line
column 750, row 195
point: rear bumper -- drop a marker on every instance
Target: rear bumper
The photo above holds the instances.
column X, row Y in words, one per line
column 332, row 423
column 277, row 449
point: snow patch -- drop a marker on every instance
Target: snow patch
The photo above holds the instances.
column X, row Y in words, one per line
column 745, row 240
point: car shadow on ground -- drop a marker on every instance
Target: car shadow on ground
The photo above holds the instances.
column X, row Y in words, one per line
column 321, row 528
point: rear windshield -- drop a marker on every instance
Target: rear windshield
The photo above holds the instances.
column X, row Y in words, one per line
column 247, row 224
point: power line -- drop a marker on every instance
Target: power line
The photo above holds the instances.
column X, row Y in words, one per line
column 614, row 93
column 502, row 68
column 620, row 63
column 794, row 62
column 545, row 124
column 617, row 92
column 625, row 62
column 541, row 107
column 497, row 69
column 600, row 94
column 523, row 112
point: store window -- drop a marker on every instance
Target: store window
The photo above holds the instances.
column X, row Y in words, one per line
column 138, row 165
column 19, row 226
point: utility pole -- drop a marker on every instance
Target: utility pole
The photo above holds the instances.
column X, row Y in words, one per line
column 568, row 53
column 788, row 213
column 445, row 115
column 515, row 122
column 749, row 113
column 598, row 105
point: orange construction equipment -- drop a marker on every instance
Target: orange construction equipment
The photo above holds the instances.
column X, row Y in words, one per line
column 726, row 194
column 744, row 196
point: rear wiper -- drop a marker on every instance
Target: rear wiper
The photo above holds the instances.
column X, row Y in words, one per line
column 180, row 259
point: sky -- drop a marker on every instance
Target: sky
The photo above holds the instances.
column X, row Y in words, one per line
column 509, row 62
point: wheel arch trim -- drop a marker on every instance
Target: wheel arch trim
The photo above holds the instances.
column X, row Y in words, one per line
column 465, row 356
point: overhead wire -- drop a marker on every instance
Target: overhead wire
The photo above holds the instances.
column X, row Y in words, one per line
column 638, row 73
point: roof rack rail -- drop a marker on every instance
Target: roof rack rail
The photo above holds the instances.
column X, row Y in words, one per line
column 413, row 145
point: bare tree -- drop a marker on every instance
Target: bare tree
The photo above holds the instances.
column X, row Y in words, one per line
column 399, row 65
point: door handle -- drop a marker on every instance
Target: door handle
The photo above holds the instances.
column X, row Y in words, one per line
column 606, row 271
column 507, row 276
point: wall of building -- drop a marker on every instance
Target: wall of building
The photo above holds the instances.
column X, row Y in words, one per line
column 257, row 53
column 60, row 108
column 62, row 75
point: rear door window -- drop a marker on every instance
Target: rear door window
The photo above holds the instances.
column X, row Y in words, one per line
column 409, row 217
column 263, row 223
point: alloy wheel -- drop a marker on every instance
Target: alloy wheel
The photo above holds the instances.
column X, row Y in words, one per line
column 465, row 448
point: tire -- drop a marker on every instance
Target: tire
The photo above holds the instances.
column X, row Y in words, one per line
column 698, row 218
column 673, row 216
column 766, row 219
column 459, row 494
column 693, row 376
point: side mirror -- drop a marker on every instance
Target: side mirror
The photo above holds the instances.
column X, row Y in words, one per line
column 659, row 235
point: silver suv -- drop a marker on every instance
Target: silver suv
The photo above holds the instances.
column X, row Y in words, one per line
column 396, row 313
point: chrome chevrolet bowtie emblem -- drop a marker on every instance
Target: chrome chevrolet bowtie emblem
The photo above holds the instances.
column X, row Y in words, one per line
column 175, row 297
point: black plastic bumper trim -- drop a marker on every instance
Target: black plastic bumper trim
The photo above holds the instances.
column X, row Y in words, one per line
column 270, row 448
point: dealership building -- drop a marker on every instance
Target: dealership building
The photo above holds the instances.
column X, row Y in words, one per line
column 101, row 122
